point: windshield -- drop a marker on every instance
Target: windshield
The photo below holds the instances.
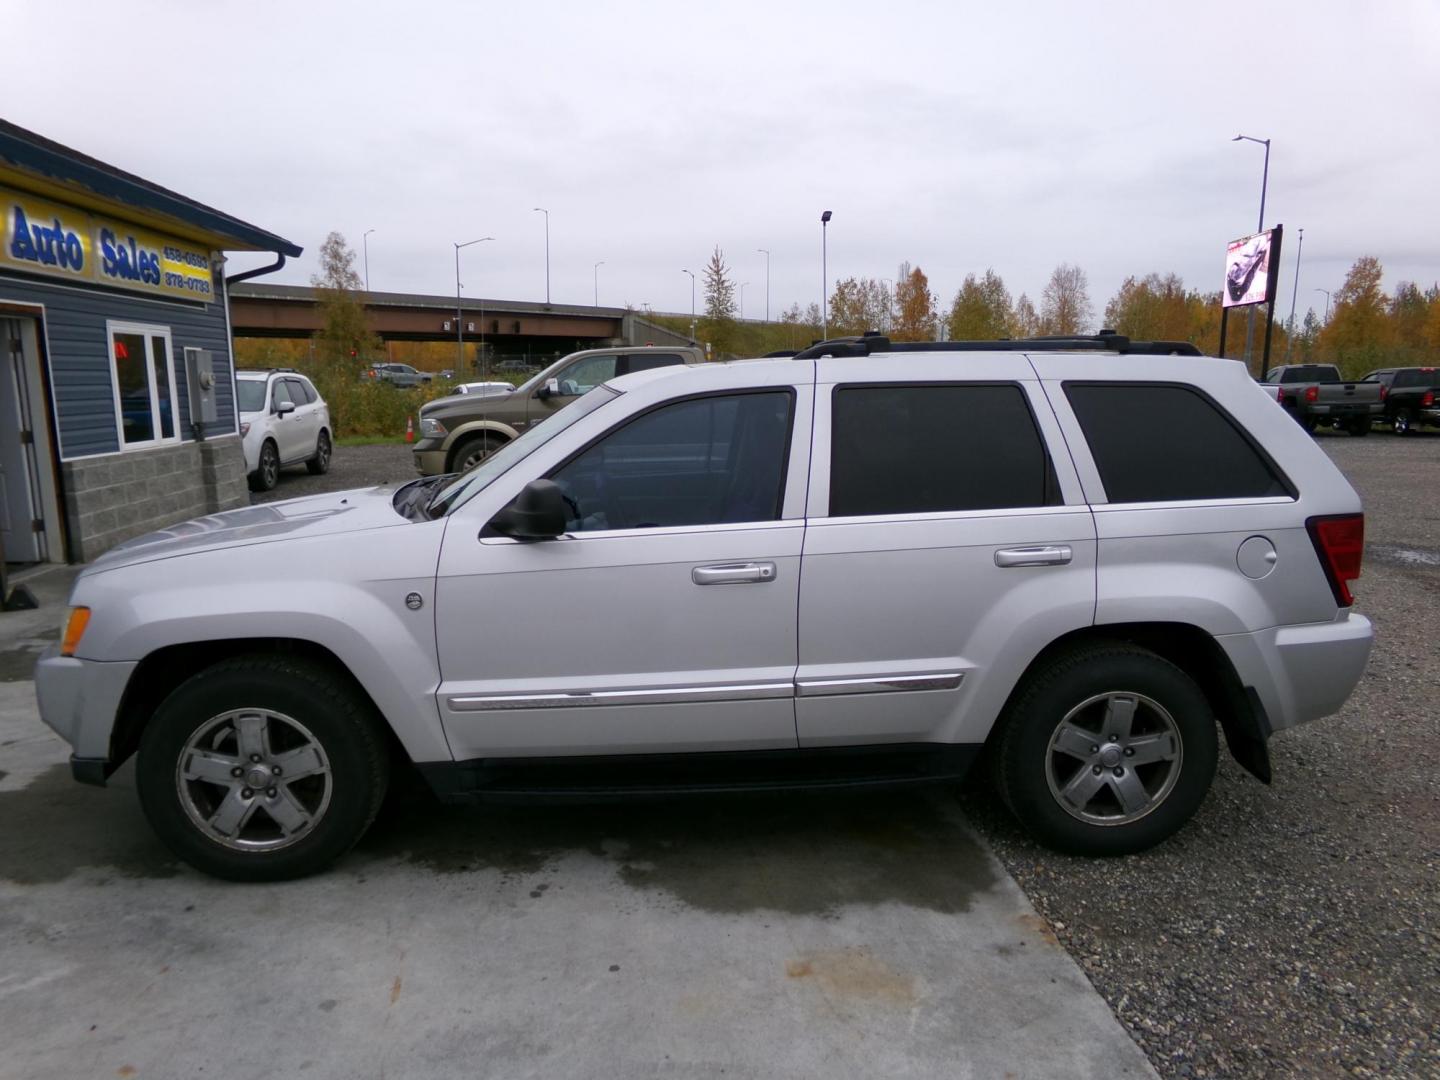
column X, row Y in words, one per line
column 467, row 486
column 252, row 394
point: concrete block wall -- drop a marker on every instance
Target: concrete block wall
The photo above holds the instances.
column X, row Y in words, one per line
column 115, row 497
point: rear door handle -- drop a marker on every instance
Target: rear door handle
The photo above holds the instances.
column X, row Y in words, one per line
column 1049, row 555
column 733, row 573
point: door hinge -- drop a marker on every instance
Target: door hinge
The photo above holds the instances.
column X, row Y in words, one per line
column 27, row 437
column 37, row 525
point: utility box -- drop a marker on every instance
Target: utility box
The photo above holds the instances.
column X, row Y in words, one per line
column 200, row 380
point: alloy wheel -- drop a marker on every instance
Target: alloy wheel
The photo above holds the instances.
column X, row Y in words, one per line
column 1114, row 758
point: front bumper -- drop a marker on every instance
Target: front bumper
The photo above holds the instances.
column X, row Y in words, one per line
column 1302, row 673
column 430, row 457
column 79, row 700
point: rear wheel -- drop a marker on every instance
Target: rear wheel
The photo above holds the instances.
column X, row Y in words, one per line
column 1403, row 421
column 320, row 463
column 1309, row 423
column 1108, row 750
column 262, row 768
column 1358, row 427
column 472, row 451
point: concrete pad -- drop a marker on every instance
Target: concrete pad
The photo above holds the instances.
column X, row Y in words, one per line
column 775, row 936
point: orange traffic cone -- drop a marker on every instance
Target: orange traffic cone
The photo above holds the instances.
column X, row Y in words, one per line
column 409, row 429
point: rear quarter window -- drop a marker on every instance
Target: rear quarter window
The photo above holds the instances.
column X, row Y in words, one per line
column 1155, row 443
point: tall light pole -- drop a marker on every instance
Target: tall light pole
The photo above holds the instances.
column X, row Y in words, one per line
column 1290, row 338
column 1264, row 183
column 459, row 321
column 766, row 253
column 365, row 243
column 542, row 210
column 1327, row 303
column 692, row 302
column 596, row 271
column 824, row 277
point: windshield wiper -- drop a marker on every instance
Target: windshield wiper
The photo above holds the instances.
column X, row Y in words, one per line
column 432, row 509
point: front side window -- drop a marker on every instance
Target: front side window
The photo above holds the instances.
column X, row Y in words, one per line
column 1168, row 444
column 144, row 384
column 704, row 461
column 585, row 375
column 921, row 448
column 280, row 394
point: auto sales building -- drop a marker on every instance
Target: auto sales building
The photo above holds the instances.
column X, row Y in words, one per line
column 117, row 385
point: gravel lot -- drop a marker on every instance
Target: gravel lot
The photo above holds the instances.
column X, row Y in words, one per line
column 1290, row 930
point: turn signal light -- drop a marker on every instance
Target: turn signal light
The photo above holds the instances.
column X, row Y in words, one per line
column 1340, row 543
column 74, row 629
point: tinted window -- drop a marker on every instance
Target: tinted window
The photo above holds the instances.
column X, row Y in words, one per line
column 279, row 393
column 584, row 375
column 1417, row 377
column 297, row 392
column 647, row 360
column 1168, row 443
column 705, row 461
column 910, row 449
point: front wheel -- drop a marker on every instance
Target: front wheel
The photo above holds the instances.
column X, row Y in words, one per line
column 471, row 452
column 1358, row 427
column 1108, row 750
column 262, row 768
column 319, row 465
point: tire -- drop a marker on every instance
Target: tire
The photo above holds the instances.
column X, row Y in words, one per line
column 1404, row 422
column 1358, row 428
column 471, row 451
column 294, row 714
column 267, row 473
column 1309, row 423
column 1050, row 745
column 319, row 465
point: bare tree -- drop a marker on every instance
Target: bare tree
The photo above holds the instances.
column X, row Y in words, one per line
column 1065, row 304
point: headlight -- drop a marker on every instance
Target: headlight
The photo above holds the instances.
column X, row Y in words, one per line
column 430, row 428
column 74, row 629
column 244, row 429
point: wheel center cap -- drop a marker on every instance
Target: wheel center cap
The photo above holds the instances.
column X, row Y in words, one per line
column 257, row 776
column 1110, row 756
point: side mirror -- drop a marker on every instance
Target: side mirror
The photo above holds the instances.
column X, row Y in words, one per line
column 550, row 389
column 284, row 407
column 538, row 513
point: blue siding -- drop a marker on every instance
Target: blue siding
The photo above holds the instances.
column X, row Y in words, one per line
column 79, row 355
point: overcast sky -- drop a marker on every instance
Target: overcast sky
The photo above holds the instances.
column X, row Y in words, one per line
column 957, row 136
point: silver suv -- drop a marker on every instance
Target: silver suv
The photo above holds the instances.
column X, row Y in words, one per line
column 861, row 566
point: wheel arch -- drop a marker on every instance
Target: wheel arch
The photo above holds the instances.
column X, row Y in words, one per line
column 1194, row 651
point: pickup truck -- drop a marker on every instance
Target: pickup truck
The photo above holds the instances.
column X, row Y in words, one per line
column 1411, row 396
column 1315, row 395
column 398, row 374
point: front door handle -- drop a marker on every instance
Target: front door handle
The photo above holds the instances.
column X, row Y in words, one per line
column 733, row 573
column 1049, row 555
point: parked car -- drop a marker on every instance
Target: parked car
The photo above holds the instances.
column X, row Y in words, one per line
column 398, row 375
column 283, row 421
column 457, row 433
column 1315, row 395
column 1411, row 396
column 856, row 569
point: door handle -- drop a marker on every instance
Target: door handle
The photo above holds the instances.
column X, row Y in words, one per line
column 733, row 573
column 1049, row 555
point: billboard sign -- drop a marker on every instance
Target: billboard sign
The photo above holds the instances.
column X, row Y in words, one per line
column 1247, row 270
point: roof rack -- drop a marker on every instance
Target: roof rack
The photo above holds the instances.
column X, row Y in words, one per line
column 266, row 370
column 1104, row 341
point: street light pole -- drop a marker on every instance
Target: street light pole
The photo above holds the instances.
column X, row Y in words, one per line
column 692, row 302
column 1290, row 338
column 824, row 276
column 596, row 271
column 766, row 253
column 742, row 300
column 365, row 242
column 459, row 320
column 1264, row 183
column 542, row 210
column 1327, row 303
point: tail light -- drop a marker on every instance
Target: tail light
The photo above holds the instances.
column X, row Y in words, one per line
column 1312, row 393
column 1427, row 399
column 1340, row 542
column 1384, row 391
column 1280, row 395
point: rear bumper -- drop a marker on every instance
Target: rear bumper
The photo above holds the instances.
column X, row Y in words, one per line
column 1302, row 673
column 1346, row 410
column 79, row 700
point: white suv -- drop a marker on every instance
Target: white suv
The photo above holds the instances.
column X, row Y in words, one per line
column 283, row 421
column 863, row 566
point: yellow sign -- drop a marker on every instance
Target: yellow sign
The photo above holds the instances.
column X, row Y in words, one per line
column 46, row 238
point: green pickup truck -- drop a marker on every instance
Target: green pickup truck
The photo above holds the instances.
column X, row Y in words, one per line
column 459, row 432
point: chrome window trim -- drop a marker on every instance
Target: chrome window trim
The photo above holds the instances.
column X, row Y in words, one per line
column 1197, row 504
column 952, row 515
column 660, row 530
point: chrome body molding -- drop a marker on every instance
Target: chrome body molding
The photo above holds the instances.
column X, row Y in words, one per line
column 949, row 680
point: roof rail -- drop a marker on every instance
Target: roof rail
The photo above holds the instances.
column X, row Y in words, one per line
column 1104, row 341
column 267, row 370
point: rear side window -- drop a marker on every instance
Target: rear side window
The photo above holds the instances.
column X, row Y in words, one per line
column 917, row 448
column 1419, row 377
column 1168, row 444
column 647, row 360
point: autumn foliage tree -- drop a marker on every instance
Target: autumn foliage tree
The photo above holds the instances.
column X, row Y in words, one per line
column 1359, row 333
column 345, row 339
column 914, row 306
column 858, row 305
column 981, row 309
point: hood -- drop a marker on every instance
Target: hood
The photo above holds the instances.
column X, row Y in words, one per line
column 314, row 515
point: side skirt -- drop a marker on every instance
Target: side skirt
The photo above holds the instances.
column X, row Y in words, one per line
column 641, row 776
